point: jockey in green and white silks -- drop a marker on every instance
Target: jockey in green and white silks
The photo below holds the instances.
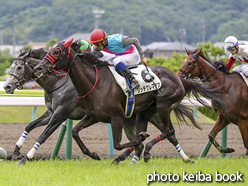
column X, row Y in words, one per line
column 120, row 50
column 84, row 45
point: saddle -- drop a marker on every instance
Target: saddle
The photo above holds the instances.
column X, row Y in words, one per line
column 148, row 80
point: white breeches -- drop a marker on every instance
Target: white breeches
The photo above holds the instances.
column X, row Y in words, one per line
column 128, row 59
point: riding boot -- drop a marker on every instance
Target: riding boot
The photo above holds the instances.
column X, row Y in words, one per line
column 133, row 82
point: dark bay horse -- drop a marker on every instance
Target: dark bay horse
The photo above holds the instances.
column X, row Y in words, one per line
column 103, row 100
column 57, row 89
column 233, row 91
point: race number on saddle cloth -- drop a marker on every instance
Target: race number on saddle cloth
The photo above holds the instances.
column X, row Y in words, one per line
column 148, row 82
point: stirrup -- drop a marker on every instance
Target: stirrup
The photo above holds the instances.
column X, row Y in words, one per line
column 137, row 85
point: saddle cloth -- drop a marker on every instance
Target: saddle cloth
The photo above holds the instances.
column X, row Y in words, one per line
column 244, row 78
column 148, row 81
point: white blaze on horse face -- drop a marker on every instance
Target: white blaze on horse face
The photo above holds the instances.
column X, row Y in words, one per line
column 11, row 81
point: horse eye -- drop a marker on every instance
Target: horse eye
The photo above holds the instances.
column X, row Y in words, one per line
column 19, row 68
column 189, row 63
column 56, row 52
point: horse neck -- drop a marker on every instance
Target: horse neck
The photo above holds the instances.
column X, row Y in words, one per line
column 48, row 83
column 51, row 82
column 208, row 70
column 82, row 75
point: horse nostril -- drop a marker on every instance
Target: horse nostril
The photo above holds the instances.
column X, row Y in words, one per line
column 7, row 88
column 38, row 69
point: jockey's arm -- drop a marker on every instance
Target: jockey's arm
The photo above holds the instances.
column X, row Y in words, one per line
column 95, row 50
column 130, row 40
column 230, row 62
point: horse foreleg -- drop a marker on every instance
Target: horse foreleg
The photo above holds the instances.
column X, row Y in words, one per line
column 117, row 134
column 136, row 144
column 243, row 128
column 219, row 125
column 85, row 122
column 54, row 123
column 42, row 120
column 130, row 130
column 149, row 145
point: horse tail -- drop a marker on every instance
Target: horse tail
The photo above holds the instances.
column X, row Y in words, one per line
column 203, row 89
column 182, row 111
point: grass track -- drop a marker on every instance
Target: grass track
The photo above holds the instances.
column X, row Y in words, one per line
column 24, row 115
column 101, row 173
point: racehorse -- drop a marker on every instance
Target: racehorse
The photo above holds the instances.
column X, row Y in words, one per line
column 233, row 91
column 103, row 100
column 57, row 89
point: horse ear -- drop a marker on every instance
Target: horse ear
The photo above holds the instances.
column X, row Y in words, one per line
column 198, row 52
column 187, row 51
column 68, row 43
column 27, row 54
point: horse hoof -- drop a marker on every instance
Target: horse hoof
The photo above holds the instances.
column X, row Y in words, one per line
column 115, row 162
column 15, row 155
column 228, row 150
column 22, row 161
column 96, row 156
column 189, row 161
column 144, row 134
column 147, row 157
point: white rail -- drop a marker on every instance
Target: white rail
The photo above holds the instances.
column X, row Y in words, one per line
column 21, row 101
column 40, row 101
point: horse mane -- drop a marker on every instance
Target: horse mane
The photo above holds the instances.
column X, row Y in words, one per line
column 36, row 53
column 217, row 64
column 93, row 60
column 75, row 46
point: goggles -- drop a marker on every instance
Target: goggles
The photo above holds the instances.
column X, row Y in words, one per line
column 98, row 44
column 229, row 47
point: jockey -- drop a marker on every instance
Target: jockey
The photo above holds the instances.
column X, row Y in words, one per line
column 120, row 50
column 84, row 45
column 237, row 52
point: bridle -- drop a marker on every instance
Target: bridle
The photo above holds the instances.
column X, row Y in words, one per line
column 63, row 57
column 21, row 81
column 188, row 74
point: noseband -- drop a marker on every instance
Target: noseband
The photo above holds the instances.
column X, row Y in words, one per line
column 188, row 74
column 21, row 81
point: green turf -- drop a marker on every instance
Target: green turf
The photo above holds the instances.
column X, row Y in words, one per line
column 24, row 115
column 101, row 173
column 25, row 92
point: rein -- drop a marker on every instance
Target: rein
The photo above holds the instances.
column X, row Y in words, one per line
column 67, row 77
column 80, row 97
column 65, row 52
column 205, row 77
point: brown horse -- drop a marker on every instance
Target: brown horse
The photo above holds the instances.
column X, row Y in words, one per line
column 233, row 91
column 103, row 100
column 62, row 102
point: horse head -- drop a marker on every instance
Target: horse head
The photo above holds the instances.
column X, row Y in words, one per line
column 17, row 74
column 189, row 67
column 56, row 59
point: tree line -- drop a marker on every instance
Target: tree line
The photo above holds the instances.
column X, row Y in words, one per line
column 158, row 20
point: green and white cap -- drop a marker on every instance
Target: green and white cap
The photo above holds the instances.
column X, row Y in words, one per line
column 84, row 45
